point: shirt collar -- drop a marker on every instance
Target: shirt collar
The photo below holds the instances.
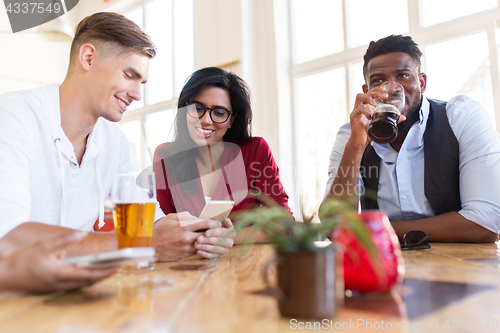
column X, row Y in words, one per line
column 53, row 111
column 414, row 139
column 424, row 111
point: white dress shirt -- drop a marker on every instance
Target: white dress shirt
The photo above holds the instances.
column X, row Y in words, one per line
column 40, row 178
column 401, row 192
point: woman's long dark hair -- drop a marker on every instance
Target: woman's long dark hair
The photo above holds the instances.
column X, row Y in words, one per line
column 181, row 153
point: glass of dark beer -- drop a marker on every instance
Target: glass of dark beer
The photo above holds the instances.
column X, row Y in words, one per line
column 383, row 127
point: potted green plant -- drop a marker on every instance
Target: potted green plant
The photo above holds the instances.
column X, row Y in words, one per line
column 308, row 283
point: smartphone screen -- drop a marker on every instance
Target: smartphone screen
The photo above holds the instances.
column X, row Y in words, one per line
column 216, row 210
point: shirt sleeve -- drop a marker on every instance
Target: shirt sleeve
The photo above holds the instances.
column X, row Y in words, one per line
column 18, row 129
column 479, row 162
column 163, row 193
column 336, row 154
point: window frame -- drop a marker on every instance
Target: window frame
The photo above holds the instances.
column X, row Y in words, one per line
column 144, row 152
column 485, row 21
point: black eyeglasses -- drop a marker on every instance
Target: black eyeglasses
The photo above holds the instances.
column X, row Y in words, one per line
column 218, row 114
column 415, row 240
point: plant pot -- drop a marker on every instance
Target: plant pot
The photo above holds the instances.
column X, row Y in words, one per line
column 308, row 284
column 363, row 272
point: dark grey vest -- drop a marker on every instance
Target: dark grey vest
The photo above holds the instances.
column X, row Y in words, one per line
column 441, row 163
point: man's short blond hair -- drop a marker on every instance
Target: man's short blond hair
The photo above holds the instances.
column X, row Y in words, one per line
column 111, row 34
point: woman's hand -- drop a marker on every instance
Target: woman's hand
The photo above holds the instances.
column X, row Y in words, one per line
column 216, row 241
column 175, row 235
column 37, row 267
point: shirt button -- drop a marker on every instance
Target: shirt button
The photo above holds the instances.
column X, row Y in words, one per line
column 404, row 197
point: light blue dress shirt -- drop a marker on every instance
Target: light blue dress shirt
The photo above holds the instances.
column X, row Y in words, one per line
column 401, row 179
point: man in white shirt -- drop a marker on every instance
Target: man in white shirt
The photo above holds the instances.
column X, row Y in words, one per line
column 60, row 150
column 441, row 175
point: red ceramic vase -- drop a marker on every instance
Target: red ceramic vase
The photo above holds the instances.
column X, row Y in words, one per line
column 363, row 272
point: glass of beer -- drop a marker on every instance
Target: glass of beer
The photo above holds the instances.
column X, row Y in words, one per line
column 134, row 200
column 384, row 125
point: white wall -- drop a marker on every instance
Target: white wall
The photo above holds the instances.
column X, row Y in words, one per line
column 26, row 60
column 217, row 32
column 228, row 31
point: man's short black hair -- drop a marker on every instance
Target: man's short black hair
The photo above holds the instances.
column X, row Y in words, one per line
column 390, row 44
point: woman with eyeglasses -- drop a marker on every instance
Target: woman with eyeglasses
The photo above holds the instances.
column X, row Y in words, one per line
column 213, row 155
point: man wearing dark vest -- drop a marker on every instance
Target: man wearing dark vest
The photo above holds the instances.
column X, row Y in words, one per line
column 440, row 175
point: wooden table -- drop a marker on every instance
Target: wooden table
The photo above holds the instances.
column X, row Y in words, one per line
column 443, row 286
